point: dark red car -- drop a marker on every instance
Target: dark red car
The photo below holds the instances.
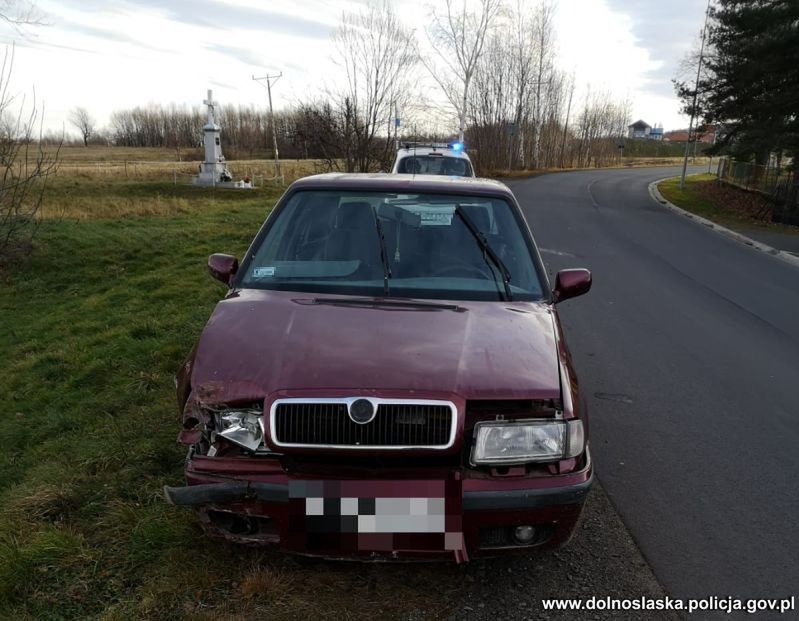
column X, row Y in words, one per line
column 387, row 377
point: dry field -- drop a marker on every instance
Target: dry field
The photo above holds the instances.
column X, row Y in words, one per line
column 118, row 182
column 261, row 171
column 628, row 162
column 154, row 164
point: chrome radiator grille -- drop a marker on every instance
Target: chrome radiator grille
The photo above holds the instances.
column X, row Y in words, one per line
column 396, row 424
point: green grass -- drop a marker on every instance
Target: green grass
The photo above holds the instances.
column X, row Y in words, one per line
column 94, row 326
column 92, row 329
column 689, row 198
column 724, row 204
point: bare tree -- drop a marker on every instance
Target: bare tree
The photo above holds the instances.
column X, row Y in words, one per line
column 522, row 54
column 84, row 123
column 518, row 95
column 542, row 31
column 600, row 125
column 491, row 111
column 25, row 167
column 458, row 37
column 20, row 13
column 377, row 53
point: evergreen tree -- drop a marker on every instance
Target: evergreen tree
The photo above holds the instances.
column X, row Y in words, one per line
column 751, row 82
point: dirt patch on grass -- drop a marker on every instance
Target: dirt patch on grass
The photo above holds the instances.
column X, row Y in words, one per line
column 738, row 202
column 725, row 204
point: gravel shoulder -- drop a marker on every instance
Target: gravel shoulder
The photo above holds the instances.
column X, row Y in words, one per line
column 602, row 560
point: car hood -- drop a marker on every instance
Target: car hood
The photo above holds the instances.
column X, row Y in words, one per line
column 259, row 342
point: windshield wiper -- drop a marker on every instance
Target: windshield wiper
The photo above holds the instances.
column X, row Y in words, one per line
column 383, row 252
column 487, row 250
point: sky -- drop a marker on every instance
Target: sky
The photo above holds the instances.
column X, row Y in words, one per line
column 113, row 54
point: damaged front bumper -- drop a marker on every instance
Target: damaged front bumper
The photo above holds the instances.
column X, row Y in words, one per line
column 448, row 513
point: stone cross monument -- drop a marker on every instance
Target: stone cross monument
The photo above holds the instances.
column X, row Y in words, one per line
column 213, row 170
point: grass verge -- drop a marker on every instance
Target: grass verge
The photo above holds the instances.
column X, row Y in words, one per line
column 93, row 327
column 722, row 203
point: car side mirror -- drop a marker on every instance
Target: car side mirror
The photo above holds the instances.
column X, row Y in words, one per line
column 571, row 283
column 223, row 267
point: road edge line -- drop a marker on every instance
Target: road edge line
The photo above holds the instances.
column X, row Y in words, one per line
column 723, row 230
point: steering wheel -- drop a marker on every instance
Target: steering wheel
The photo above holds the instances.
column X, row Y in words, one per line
column 467, row 269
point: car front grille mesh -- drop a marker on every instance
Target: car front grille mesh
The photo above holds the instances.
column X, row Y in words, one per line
column 394, row 425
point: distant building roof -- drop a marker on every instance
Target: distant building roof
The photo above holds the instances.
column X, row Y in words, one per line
column 677, row 135
column 639, row 124
column 706, row 134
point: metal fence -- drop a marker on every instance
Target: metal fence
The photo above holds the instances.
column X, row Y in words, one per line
column 781, row 186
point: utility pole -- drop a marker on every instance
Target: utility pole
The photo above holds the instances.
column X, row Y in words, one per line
column 696, row 92
column 270, row 80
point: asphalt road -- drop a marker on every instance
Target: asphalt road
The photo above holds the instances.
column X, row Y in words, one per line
column 687, row 349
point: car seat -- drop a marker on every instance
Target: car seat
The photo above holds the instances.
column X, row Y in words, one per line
column 315, row 236
column 354, row 237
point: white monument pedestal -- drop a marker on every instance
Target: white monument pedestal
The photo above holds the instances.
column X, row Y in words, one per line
column 213, row 171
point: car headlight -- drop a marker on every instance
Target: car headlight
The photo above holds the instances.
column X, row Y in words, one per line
column 242, row 427
column 505, row 442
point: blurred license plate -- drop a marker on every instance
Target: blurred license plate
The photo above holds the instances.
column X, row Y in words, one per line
column 376, row 514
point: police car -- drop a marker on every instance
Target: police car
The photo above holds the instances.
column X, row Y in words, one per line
column 415, row 158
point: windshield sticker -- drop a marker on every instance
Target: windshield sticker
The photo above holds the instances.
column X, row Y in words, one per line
column 263, row 272
column 432, row 216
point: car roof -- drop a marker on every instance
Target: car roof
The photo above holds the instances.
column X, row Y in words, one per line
column 410, row 184
column 443, row 151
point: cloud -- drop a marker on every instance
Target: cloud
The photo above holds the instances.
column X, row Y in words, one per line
column 668, row 31
column 224, row 16
column 109, row 35
column 168, row 50
column 223, row 85
column 244, row 55
column 251, row 57
column 33, row 43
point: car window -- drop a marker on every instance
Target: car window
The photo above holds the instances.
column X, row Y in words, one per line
column 329, row 242
column 434, row 165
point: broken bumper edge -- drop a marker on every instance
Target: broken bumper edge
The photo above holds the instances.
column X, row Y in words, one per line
column 213, row 493
column 218, row 493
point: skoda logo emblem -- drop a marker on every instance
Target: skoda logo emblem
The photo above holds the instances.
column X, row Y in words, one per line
column 362, row 411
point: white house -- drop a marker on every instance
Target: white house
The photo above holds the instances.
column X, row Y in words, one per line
column 639, row 129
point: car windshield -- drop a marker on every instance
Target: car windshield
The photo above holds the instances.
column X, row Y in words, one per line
column 435, row 165
column 430, row 246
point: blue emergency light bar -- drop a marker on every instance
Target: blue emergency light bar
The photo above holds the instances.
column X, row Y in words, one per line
column 453, row 146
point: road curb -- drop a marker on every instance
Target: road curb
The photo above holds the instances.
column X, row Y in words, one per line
column 723, row 230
